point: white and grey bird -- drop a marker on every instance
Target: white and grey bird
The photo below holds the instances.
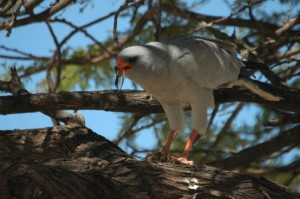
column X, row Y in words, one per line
column 180, row 71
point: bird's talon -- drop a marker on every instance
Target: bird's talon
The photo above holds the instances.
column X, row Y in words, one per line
column 179, row 160
column 184, row 160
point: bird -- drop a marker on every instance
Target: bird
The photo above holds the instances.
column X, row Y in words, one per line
column 184, row 71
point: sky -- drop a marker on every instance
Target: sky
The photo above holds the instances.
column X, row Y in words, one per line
column 35, row 39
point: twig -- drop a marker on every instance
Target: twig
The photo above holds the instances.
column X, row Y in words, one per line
column 54, row 3
column 22, row 53
column 158, row 20
column 287, row 26
column 285, row 120
column 136, row 30
column 125, row 5
column 222, row 19
column 15, row 87
column 213, row 115
column 81, row 29
column 13, row 18
column 127, row 132
column 260, row 151
column 56, row 61
column 223, row 132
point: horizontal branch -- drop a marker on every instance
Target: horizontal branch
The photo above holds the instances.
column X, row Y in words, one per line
column 47, row 13
column 124, row 101
column 260, row 151
column 75, row 162
column 263, row 27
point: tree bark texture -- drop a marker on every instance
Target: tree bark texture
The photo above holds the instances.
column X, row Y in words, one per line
column 134, row 101
column 74, row 162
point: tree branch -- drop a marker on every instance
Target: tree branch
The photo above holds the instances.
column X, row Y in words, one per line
column 75, row 162
column 129, row 101
column 264, row 27
column 15, row 87
column 41, row 16
column 261, row 151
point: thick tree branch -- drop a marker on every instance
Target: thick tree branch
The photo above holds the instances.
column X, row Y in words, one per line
column 74, row 162
column 129, row 101
column 15, row 87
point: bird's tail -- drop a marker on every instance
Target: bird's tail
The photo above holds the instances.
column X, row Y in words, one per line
column 255, row 88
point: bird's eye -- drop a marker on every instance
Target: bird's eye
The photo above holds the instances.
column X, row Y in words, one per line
column 132, row 59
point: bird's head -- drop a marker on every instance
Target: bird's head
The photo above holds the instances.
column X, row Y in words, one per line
column 132, row 63
column 130, row 60
column 126, row 62
column 139, row 63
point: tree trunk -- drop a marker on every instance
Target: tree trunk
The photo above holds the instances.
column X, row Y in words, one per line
column 74, row 162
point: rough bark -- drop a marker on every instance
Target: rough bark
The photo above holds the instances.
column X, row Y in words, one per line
column 74, row 162
column 134, row 101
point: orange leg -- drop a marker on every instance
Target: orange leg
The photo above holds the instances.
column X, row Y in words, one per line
column 187, row 148
column 184, row 156
column 189, row 143
column 169, row 141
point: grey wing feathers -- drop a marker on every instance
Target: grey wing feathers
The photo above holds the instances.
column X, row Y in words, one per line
column 228, row 46
column 210, row 62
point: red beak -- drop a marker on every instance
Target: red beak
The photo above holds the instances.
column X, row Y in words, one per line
column 122, row 67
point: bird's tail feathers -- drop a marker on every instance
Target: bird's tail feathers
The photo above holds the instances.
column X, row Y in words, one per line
column 253, row 87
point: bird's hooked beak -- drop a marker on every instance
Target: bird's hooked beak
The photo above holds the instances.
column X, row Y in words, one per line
column 120, row 70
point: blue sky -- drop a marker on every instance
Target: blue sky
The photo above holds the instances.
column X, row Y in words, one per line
column 35, row 39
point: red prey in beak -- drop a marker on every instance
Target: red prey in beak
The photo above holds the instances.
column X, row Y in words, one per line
column 120, row 70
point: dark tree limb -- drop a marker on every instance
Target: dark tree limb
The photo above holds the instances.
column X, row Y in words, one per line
column 261, row 151
column 42, row 16
column 15, row 87
column 131, row 101
column 74, row 162
column 263, row 27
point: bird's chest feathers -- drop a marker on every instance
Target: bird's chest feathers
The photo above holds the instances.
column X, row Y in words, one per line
column 168, row 85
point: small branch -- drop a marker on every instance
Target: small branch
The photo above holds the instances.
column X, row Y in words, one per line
column 287, row 119
column 262, row 27
column 15, row 87
column 224, row 131
column 114, row 49
column 213, row 115
column 30, row 5
column 26, row 55
column 81, row 29
column 266, row 71
column 125, row 5
column 129, row 129
column 260, row 151
column 158, row 20
column 42, row 16
column 56, row 61
column 54, row 3
column 115, row 34
column 287, row 26
column 13, row 18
